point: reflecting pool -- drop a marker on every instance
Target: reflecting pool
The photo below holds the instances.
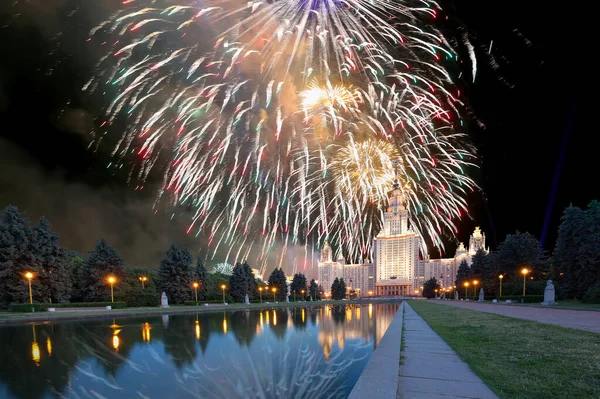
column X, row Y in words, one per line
column 302, row 352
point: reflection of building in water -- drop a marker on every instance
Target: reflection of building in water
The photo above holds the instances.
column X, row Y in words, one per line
column 383, row 315
column 344, row 322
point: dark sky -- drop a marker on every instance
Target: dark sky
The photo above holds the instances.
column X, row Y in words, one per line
column 534, row 94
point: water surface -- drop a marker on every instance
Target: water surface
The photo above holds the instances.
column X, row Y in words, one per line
column 310, row 352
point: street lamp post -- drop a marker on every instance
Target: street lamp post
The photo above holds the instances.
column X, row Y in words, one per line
column 466, row 286
column 29, row 276
column 501, row 277
column 294, row 295
column 475, row 287
column 260, row 293
column 196, row 291
column 223, row 289
column 111, row 281
column 143, row 279
column 274, row 291
column 524, row 271
column 302, row 292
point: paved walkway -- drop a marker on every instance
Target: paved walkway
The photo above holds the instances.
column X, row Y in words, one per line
column 579, row 319
column 430, row 369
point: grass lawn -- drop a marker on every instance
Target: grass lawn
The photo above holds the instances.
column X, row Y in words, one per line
column 519, row 358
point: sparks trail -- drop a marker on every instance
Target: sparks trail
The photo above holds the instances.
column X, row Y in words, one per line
column 282, row 119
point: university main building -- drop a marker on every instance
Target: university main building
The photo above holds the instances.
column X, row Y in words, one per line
column 395, row 268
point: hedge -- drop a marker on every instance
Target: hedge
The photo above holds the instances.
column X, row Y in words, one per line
column 526, row 298
column 26, row 307
column 514, row 298
column 199, row 303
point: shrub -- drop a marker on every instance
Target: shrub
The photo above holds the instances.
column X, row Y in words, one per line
column 115, row 305
column 26, row 307
column 592, row 295
column 201, row 303
column 526, row 298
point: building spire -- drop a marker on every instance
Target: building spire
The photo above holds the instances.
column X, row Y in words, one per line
column 396, row 182
column 396, row 202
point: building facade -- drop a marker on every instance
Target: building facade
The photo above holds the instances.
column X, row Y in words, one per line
column 396, row 250
column 445, row 269
column 396, row 269
column 328, row 269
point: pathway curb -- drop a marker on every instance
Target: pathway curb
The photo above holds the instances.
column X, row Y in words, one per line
column 380, row 378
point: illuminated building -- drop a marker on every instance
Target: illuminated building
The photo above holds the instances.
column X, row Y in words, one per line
column 445, row 269
column 328, row 269
column 396, row 250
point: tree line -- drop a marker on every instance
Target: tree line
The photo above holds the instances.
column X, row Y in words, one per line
column 62, row 276
column 573, row 265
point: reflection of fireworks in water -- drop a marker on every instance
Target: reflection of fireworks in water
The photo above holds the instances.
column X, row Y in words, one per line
column 294, row 372
column 248, row 137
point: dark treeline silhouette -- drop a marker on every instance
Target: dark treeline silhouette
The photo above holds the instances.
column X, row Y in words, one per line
column 62, row 276
column 574, row 265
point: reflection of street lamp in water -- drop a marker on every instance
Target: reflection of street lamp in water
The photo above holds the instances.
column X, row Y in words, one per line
column 35, row 348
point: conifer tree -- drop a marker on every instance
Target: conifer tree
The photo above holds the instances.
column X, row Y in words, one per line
column 278, row 281
column 314, row 290
column 298, row 284
column 252, row 284
column 55, row 278
column 201, row 277
column 589, row 250
column 76, row 264
column 17, row 258
column 338, row 289
column 430, row 287
column 238, row 283
column 463, row 273
column 175, row 274
column 104, row 261
column 335, row 287
column 342, row 289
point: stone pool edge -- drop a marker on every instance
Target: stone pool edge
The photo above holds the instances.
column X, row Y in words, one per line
column 380, row 378
column 26, row 318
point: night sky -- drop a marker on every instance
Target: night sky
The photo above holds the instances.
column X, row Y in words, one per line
column 534, row 96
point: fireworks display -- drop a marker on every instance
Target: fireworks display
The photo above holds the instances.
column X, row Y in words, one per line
column 279, row 122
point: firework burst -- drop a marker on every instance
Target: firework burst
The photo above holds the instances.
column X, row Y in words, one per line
column 283, row 126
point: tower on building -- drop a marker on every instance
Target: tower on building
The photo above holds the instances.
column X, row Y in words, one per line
column 477, row 242
column 396, row 248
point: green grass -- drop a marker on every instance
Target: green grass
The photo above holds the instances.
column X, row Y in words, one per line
column 519, row 358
